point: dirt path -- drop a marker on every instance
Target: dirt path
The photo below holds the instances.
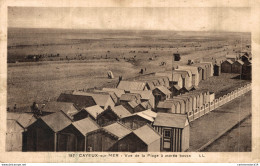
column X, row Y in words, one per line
column 210, row 125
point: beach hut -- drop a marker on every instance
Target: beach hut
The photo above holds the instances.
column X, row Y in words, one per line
column 54, row 106
column 104, row 138
column 16, row 133
column 175, row 131
column 137, row 120
column 161, row 93
column 92, row 112
column 132, row 85
column 143, row 139
column 217, row 70
column 146, row 96
column 112, row 115
column 237, row 67
column 226, row 66
column 73, row 137
column 42, row 134
column 194, row 72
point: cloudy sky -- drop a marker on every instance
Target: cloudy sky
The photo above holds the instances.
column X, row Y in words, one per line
column 183, row 19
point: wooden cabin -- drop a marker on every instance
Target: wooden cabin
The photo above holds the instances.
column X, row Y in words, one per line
column 194, row 71
column 137, row 120
column 237, row 67
column 146, row 96
column 226, row 66
column 42, row 134
column 103, row 139
column 161, row 93
column 175, row 131
column 169, row 107
column 132, row 85
column 112, row 115
column 16, row 130
column 66, row 107
column 143, row 139
column 73, row 137
column 91, row 112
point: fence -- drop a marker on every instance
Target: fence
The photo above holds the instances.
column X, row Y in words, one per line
column 210, row 106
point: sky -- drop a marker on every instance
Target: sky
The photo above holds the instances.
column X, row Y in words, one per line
column 173, row 18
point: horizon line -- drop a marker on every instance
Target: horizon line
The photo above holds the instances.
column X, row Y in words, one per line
column 132, row 29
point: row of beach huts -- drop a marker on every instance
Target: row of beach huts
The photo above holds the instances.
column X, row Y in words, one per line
column 152, row 113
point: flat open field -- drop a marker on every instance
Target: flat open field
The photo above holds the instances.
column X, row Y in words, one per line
column 77, row 59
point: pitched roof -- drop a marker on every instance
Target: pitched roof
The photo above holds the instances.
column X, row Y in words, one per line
column 120, row 111
column 183, row 73
column 192, row 68
column 24, row 119
column 177, row 87
column 239, row 61
column 94, row 111
column 111, row 93
column 129, row 97
column 99, row 98
column 131, row 85
column 147, row 134
column 118, row 92
column 79, row 100
column 170, row 120
column 66, row 107
column 133, row 104
column 163, row 104
column 57, row 121
column 185, row 70
column 146, row 94
column 118, row 129
column 229, row 61
column 164, row 90
column 147, row 114
column 85, row 125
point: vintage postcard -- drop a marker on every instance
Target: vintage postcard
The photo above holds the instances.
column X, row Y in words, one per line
column 129, row 81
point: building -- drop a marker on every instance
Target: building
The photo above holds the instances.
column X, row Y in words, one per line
column 42, row 134
column 103, row 139
column 101, row 99
column 186, row 77
column 174, row 79
column 146, row 96
column 16, row 133
column 91, row 112
column 182, row 104
column 175, row 90
column 118, row 92
column 79, row 101
column 226, row 66
column 143, row 139
column 210, row 67
column 112, row 115
column 125, row 98
column 130, row 106
column 54, row 106
column 175, row 131
column 73, row 137
column 247, row 71
column 132, row 85
column 194, row 72
column 137, row 120
column 237, row 67
column 217, row 70
column 161, row 93
column 168, row 107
